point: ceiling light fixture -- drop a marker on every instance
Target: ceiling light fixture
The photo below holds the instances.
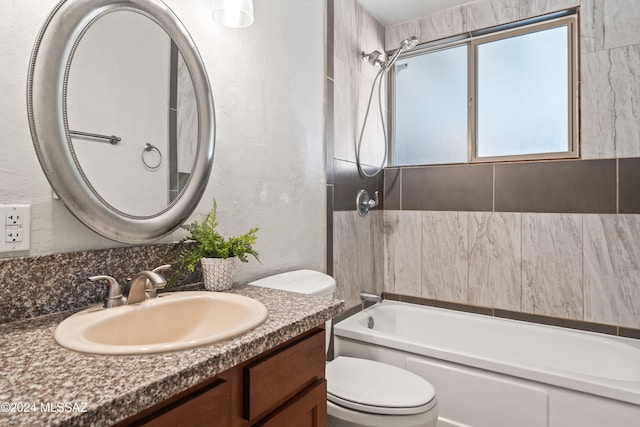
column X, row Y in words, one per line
column 233, row 13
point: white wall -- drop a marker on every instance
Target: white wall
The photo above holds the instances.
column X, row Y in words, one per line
column 268, row 172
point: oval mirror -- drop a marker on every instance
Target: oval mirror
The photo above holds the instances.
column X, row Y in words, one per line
column 121, row 116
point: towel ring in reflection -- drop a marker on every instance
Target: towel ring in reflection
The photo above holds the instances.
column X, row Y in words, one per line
column 150, row 148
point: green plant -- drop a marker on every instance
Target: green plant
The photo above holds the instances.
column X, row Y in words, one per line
column 204, row 241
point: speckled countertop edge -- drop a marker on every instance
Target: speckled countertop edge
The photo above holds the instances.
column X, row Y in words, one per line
column 34, row 369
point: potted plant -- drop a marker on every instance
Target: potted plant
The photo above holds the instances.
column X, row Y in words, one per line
column 216, row 254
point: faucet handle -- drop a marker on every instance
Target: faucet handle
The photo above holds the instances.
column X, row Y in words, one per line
column 114, row 296
column 364, row 203
column 151, row 288
column 162, row 268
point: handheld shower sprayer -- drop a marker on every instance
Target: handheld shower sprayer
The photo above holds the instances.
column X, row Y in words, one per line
column 405, row 45
column 376, row 59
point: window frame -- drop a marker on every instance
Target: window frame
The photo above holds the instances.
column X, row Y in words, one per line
column 568, row 18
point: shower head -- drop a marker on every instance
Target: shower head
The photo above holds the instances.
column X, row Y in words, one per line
column 405, row 45
column 409, row 43
column 374, row 58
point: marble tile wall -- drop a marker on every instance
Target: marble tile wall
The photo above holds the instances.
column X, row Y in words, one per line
column 552, row 265
column 578, row 266
column 570, row 266
column 573, row 266
column 495, row 260
column 356, row 31
column 356, row 256
column 612, row 269
column 357, row 248
column 473, row 16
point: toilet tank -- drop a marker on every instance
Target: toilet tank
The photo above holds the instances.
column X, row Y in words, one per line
column 302, row 281
column 307, row 282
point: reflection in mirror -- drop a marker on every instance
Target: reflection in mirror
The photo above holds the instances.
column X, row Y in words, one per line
column 91, row 63
column 127, row 78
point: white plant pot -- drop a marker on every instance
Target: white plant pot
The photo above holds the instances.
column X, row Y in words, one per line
column 218, row 273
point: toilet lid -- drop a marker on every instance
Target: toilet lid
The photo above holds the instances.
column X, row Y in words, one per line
column 374, row 387
column 303, row 281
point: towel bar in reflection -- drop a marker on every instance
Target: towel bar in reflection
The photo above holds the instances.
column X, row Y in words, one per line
column 112, row 139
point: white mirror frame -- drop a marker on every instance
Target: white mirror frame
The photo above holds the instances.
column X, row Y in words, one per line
column 46, row 105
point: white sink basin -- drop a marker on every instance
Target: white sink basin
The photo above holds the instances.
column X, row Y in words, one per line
column 175, row 321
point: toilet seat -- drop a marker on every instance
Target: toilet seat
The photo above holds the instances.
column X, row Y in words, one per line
column 377, row 388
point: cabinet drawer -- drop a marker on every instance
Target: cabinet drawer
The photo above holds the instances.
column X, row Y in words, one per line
column 208, row 407
column 307, row 410
column 273, row 380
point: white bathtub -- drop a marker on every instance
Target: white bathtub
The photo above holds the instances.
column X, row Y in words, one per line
column 492, row 372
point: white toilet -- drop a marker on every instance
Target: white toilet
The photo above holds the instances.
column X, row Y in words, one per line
column 361, row 392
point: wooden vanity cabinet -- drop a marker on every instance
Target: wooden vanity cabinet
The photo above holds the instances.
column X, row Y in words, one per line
column 282, row 387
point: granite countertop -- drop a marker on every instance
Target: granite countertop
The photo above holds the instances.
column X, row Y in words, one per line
column 53, row 386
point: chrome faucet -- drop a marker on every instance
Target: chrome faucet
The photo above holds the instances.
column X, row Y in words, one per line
column 145, row 285
column 369, row 299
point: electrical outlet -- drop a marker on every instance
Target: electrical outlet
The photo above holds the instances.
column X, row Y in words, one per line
column 13, row 218
column 17, row 228
column 13, row 234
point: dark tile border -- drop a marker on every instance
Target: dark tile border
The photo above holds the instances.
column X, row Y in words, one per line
column 443, row 304
column 520, row 316
column 629, row 332
column 592, row 186
column 447, row 188
column 574, row 186
column 347, row 183
column 555, row 321
column 391, row 297
column 392, row 190
column 629, row 185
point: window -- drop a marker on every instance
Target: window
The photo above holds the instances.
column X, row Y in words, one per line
column 507, row 93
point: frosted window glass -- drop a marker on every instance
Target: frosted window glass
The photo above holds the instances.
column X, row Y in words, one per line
column 430, row 115
column 523, row 94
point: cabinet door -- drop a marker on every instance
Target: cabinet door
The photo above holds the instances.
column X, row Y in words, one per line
column 276, row 379
column 309, row 409
column 208, row 407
